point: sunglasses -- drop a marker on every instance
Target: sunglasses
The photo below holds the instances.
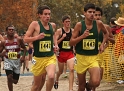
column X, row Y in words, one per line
column 10, row 29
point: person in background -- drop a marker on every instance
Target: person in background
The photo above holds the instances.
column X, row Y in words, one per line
column 66, row 54
column 12, row 58
column 113, row 25
column 120, row 23
column 98, row 16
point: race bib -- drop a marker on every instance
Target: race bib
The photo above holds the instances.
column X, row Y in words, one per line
column 12, row 55
column 88, row 44
column 45, row 46
column 65, row 45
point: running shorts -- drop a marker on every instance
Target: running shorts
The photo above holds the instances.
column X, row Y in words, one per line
column 40, row 64
column 85, row 62
column 64, row 56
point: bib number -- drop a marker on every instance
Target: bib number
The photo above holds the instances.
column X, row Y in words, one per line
column 12, row 55
column 88, row 44
column 45, row 46
column 65, row 45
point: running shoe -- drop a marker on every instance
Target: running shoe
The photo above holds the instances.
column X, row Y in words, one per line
column 27, row 69
column 65, row 76
column 87, row 87
column 56, row 85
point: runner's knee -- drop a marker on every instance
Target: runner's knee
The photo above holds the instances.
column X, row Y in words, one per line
column 71, row 69
column 51, row 76
column 95, row 83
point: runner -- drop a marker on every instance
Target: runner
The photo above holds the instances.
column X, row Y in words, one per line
column 41, row 34
column 12, row 60
column 98, row 16
column 85, row 37
column 65, row 51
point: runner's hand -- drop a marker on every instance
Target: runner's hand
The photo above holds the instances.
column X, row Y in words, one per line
column 40, row 36
column 101, row 48
column 56, row 48
column 86, row 33
column 64, row 35
column 3, row 53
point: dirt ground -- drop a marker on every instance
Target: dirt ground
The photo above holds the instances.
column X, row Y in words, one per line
column 25, row 83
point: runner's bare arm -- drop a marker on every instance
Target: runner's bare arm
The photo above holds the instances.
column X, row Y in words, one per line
column 22, row 45
column 111, row 39
column 58, row 34
column 1, row 46
column 1, row 37
column 54, row 37
column 53, row 26
column 29, row 34
column 75, row 38
column 104, row 30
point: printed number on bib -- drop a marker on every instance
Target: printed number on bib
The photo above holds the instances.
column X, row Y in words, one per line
column 12, row 55
column 6, row 65
column 33, row 61
column 45, row 46
column 65, row 45
column 88, row 44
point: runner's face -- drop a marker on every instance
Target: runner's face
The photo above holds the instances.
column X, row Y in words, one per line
column 89, row 14
column 46, row 15
column 67, row 23
column 10, row 31
column 97, row 15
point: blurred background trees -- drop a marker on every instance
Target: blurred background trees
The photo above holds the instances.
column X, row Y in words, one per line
column 20, row 13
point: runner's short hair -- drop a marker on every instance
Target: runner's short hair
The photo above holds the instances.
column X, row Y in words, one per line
column 89, row 6
column 99, row 9
column 65, row 17
column 40, row 9
column 9, row 26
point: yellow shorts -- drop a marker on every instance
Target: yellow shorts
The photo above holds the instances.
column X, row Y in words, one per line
column 40, row 63
column 85, row 62
column 101, row 59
